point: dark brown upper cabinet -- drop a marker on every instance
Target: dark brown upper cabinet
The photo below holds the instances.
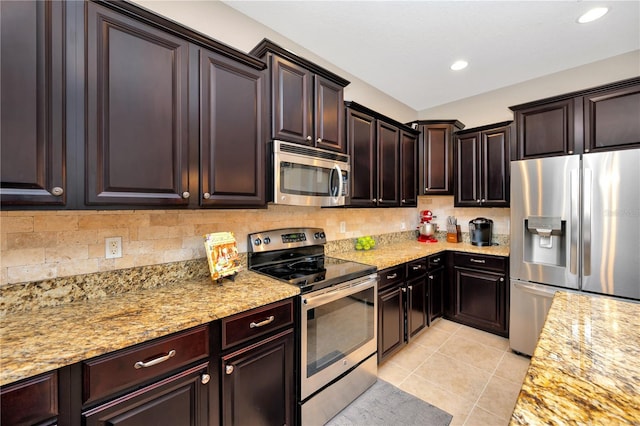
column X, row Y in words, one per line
column 33, row 110
column 482, row 166
column 408, row 169
column 598, row 119
column 612, row 119
column 232, row 133
column 306, row 99
column 383, row 159
column 435, row 155
column 137, row 146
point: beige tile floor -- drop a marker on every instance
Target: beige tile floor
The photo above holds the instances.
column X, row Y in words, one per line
column 471, row 374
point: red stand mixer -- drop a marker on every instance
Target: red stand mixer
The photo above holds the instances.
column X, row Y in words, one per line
column 426, row 228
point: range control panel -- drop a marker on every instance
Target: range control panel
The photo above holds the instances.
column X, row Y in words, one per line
column 279, row 239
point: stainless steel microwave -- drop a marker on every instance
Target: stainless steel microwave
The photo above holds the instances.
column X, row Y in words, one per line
column 307, row 176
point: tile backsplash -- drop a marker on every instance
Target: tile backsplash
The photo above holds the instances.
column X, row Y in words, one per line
column 41, row 245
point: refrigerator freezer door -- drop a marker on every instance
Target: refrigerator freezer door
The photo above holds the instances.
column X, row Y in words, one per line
column 530, row 304
column 611, row 223
column 545, row 221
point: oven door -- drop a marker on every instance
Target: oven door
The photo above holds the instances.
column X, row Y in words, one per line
column 338, row 331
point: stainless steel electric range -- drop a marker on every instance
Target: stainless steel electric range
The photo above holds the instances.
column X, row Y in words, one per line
column 336, row 318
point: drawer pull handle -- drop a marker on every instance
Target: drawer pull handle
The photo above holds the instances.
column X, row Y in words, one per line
column 478, row 260
column 392, row 276
column 417, row 267
column 436, row 260
column 142, row 364
column 262, row 323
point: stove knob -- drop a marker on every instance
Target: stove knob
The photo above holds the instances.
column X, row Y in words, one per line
column 267, row 240
column 316, row 235
column 257, row 241
column 322, row 235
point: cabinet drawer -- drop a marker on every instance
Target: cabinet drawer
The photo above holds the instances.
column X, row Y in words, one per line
column 390, row 276
column 416, row 268
column 436, row 261
column 114, row 372
column 479, row 261
column 256, row 322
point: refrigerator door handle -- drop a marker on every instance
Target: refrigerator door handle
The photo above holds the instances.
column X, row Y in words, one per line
column 574, row 182
column 586, row 222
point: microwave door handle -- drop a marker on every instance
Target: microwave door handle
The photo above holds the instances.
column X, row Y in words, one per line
column 338, row 170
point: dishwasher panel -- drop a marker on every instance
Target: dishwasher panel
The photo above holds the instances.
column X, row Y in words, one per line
column 530, row 304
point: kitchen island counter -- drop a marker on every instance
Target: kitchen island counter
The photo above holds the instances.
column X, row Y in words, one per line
column 42, row 340
column 407, row 251
column 586, row 366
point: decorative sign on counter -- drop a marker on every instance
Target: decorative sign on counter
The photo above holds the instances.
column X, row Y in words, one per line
column 222, row 253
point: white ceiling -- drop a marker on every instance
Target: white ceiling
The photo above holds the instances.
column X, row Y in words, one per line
column 405, row 48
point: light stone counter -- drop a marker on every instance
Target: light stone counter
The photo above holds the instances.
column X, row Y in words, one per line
column 586, row 367
column 38, row 341
column 401, row 252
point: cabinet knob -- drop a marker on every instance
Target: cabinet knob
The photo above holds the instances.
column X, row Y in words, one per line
column 228, row 369
column 205, row 378
column 427, row 188
column 319, row 140
column 57, row 191
column 483, row 200
column 185, row 194
column 404, row 201
column 430, row 277
column 478, row 201
column 501, row 280
column 309, row 138
column 410, row 287
column 570, row 152
column 206, row 195
column 374, row 200
column 404, row 289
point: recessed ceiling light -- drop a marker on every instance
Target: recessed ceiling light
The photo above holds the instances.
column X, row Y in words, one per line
column 593, row 14
column 459, row 65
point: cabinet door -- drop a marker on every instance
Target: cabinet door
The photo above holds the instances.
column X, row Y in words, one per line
column 436, row 293
column 546, row 130
column 408, row 170
column 361, row 142
column 390, row 322
column 257, row 383
column 388, row 137
column 32, row 129
column 480, row 300
column 137, row 115
column 436, row 161
column 292, row 104
column 612, row 119
column 34, row 401
column 416, row 306
column 329, row 115
column 231, row 133
column 467, row 173
column 494, row 168
column 181, row 399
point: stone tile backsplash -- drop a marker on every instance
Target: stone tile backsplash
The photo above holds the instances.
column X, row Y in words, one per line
column 44, row 245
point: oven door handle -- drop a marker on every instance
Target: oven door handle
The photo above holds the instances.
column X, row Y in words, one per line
column 310, row 301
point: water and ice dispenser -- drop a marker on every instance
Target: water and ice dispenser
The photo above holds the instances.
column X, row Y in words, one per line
column 545, row 240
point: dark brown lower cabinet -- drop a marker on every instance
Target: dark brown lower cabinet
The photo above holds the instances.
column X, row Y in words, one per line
column 257, row 383
column 480, row 292
column 33, row 401
column 181, row 399
column 390, row 322
column 435, row 291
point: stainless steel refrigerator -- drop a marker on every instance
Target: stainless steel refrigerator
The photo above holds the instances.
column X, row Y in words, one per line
column 575, row 226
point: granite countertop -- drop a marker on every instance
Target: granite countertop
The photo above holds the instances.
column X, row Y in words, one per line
column 395, row 254
column 586, row 366
column 35, row 342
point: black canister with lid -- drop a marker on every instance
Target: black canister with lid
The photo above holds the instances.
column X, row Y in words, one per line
column 480, row 231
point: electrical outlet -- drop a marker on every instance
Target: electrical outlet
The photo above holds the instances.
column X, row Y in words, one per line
column 403, row 226
column 113, row 247
column 343, row 227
